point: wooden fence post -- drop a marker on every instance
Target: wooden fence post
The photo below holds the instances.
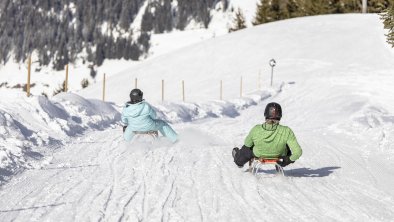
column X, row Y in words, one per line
column 183, row 90
column 162, row 90
column 104, row 87
column 259, row 80
column 28, row 76
column 221, row 89
column 66, row 81
column 240, row 91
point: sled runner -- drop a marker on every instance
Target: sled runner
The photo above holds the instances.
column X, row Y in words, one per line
column 149, row 135
column 256, row 165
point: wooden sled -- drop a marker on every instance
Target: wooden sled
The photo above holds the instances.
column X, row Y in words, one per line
column 256, row 164
column 146, row 134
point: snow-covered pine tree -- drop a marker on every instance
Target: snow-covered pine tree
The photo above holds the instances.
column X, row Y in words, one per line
column 388, row 20
column 239, row 21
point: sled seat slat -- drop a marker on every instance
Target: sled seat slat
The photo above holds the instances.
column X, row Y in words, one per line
column 152, row 133
column 267, row 160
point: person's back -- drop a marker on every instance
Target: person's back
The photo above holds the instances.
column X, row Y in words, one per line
column 139, row 117
column 269, row 140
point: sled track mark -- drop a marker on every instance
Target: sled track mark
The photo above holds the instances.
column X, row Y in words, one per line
column 164, row 205
column 197, row 197
column 228, row 183
column 143, row 202
column 128, row 203
column 105, row 206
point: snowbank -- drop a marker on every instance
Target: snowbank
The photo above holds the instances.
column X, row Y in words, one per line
column 33, row 127
column 176, row 112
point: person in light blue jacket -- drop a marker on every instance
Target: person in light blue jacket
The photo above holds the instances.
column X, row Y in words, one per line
column 138, row 116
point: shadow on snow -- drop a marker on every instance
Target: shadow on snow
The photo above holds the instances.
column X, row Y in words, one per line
column 308, row 172
column 301, row 172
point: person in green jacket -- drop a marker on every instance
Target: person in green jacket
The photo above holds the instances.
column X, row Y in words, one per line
column 269, row 140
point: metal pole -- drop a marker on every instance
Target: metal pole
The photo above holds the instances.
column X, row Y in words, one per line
column 272, row 64
column 135, row 83
column 364, row 6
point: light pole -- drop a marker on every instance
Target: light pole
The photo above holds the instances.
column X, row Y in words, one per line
column 272, row 64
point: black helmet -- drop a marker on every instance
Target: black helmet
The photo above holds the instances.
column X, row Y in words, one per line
column 273, row 111
column 136, row 96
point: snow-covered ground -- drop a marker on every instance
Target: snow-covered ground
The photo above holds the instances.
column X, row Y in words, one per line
column 333, row 79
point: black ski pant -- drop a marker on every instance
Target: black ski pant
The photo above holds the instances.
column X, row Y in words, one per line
column 245, row 154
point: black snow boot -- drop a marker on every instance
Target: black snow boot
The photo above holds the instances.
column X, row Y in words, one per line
column 235, row 151
column 235, row 154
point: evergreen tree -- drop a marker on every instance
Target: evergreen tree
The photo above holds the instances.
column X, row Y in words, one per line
column 239, row 21
column 263, row 13
column 377, row 6
column 315, row 7
column 274, row 10
column 59, row 33
column 388, row 20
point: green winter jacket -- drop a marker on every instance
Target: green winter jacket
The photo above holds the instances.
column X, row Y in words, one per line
column 269, row 141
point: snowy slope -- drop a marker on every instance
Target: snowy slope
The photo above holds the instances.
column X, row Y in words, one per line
column 300, row 46
column 46, row 80
column 333, row 79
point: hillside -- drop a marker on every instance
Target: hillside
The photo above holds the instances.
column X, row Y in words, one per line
column 300, row 46
column 333, row 79
column 93, row 35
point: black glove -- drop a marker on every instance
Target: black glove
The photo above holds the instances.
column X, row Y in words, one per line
column 124, row 128
column 284, row 161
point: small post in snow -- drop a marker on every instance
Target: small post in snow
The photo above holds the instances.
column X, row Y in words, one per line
column 272, row 64
column 240, row 88
column 162, row 90
column 28, row 76
column 221, row 89
column 104, row 87
column 364, row 6
column 259, row 80
column 66, row 81
column 183, row 90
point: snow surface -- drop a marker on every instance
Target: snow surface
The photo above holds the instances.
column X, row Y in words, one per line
column 333, row 79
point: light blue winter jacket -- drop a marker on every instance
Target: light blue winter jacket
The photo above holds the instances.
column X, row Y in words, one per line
column 139, row 116
column 142, row 117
